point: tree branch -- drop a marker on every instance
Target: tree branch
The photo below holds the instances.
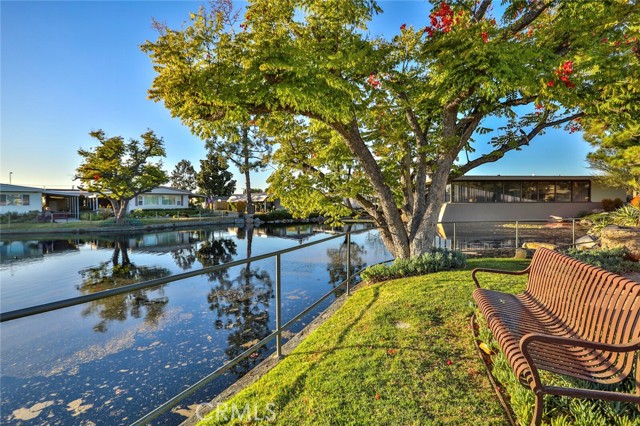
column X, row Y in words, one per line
column 496, row 154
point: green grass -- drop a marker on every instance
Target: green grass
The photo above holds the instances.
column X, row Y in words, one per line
column 397, row 353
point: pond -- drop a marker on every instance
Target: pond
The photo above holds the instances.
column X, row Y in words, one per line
column 111, row 361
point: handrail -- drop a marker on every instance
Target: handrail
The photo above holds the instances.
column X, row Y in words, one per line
column 73, row 301
column 276, row 334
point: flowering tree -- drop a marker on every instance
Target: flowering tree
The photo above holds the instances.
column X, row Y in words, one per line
column 385, row 121
column 120, row 171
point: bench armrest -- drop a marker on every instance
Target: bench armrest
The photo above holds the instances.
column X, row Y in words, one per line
column 530, row 338
column 495, row 271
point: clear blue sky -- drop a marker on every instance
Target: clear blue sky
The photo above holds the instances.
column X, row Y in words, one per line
column 71, row 67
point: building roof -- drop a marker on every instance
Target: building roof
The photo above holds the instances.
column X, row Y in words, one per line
column 168, row 190
column 5, row 187
column 255, row 196
column 521, row 177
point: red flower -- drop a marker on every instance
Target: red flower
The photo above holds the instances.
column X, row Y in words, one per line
column 96, row 177
column 403, row 27
column 485, row 37
column 604, row 40
column 377, row 396
column 449, row 362
column 373, row 81
column 551, row 83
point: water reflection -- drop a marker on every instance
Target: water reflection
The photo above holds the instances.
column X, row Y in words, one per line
column 145, row 350
column 118, row 272
column 242, row 307
column 337, row 266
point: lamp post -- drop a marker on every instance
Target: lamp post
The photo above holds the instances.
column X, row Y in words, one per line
column 10, row 173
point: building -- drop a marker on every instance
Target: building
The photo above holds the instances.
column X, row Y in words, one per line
column 162, row 197
column 20, row 199
column 508, row 198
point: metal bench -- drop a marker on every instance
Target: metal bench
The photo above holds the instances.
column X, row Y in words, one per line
column 573, row 319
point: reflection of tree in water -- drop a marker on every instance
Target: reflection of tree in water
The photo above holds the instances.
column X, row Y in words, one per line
column 242, row 307
column 337, row 266
column 214, row 252
column 118, row 272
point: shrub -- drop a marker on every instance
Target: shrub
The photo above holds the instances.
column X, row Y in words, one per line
column 626, row 216
column 433, row 261
column 15, row 217
column 274, row 215
column 613, row 260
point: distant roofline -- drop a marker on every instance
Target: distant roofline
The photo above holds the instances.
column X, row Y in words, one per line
column 523, row 177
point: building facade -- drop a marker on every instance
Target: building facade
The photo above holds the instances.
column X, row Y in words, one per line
column 508, row 198
column 19, row 199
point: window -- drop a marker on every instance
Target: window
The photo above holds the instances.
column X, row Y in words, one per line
column 512, row 192
column 178, row 200
column 140, row 201
column 14, row 199
column 546, row 191
column 167, row 200
column 151, row 200
column 563, row 191
column 529, row 192
column 581, row 191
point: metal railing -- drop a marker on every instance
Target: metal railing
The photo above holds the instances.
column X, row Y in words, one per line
column 454, row 237
column 276, row 334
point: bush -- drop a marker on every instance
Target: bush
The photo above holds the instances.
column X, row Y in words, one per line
column 613, row 260
column 433, row 261
column 627, row 215
column 610, row 205
column 274, row 215
column 15, row 217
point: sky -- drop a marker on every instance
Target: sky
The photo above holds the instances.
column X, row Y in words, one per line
column 68, row 68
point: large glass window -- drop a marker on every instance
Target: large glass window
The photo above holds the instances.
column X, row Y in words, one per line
column 14, row 199
column 512, row 192
column 546, row 191
column 581, row 191
column 563, row 191
column 529, row 192
column 151, row 200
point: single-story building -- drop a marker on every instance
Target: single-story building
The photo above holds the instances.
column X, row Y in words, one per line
column 20, row 199
column 260, row 200
column 509, row 198
column 162, row 197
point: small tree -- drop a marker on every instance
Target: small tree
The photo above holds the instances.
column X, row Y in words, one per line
column 120, row 171
column 214, row 179
column 184, row 176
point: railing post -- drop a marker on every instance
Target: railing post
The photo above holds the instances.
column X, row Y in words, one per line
column 573, row 232
column 348, row 263
column 454, row 236
column 517, row 236
column 278, row 309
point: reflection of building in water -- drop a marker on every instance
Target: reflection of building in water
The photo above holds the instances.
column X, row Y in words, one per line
column 299, row 232
column 12, row 250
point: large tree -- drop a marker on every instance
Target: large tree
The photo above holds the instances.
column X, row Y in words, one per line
column 119, row 170
column 183, row 176
column 214, row 178
column 246, row 147
column 384, row 121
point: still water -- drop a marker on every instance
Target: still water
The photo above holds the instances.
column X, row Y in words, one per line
column 111, row 361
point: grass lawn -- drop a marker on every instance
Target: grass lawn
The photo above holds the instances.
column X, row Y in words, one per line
column 397, row 353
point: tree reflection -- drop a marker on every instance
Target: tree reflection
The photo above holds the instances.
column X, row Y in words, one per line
column 337, row 266
column 118, row 272
column 242, row 307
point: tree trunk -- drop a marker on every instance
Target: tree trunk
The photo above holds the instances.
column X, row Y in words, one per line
column 247, row 169
column 119, row 209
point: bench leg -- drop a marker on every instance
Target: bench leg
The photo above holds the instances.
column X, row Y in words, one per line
column 536, row 420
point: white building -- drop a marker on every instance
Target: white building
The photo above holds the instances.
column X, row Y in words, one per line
column 162, row 197
column 19, row 199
